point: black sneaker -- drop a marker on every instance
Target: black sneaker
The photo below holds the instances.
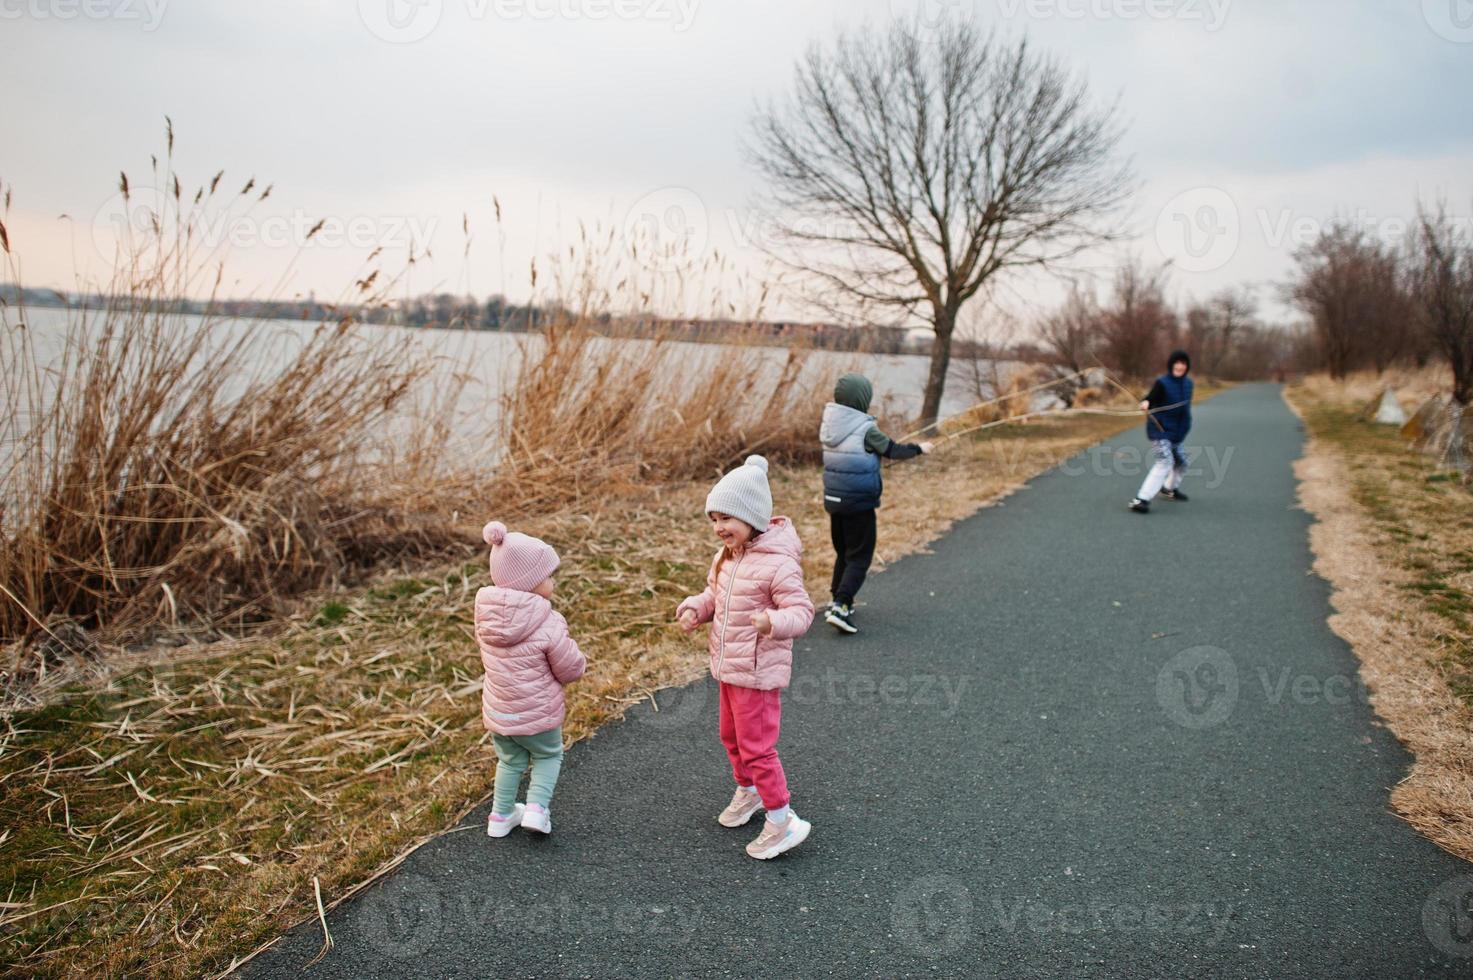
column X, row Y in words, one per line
column 841, row 618
column 1140, row 506
column 1176, row 495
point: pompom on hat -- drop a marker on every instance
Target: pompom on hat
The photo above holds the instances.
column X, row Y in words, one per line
column 519, row 562
column 744, row 494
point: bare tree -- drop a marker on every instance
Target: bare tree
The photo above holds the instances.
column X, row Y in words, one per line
column 1201, row 337
column 1440, row 282
column 1071, row 333
column 1387, row 307
column 1258, row 351
column 1351, row 288
column 1217, row 328
column 1325, row 290
column 1071, row 337
column 1138, row 322
column 906, row 174
column 1303, row 352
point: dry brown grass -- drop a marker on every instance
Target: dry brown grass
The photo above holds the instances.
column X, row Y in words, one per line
column 1394, row 538
column 167, row 810
column 188, row 803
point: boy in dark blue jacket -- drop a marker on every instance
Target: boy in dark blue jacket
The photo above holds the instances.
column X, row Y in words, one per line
column 1168, row 409
column 852, row 447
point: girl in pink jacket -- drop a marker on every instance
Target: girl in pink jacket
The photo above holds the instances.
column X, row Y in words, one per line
column 756, row 605
column 528, row 657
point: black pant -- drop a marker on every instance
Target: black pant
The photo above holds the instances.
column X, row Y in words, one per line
column 854, row 547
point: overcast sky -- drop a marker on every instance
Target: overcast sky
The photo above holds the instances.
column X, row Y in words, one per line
column 1250, row 122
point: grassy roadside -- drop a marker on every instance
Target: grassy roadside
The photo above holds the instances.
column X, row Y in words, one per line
column 1395, row 539
column 177, row 815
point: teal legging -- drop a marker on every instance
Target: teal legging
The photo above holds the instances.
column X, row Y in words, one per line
column 543, row 751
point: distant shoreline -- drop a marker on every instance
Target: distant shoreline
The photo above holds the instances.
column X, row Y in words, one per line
column 497, row 315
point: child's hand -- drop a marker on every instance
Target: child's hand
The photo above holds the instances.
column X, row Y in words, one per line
column 926, row 448
column 688, row 621
column 762, row 622
column 1145, row 406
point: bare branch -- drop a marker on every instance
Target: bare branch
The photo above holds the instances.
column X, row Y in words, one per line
column 906, row 176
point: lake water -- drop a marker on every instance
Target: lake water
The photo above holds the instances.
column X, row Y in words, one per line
column 489, row 361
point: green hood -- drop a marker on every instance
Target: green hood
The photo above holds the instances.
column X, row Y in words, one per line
column 854, row 391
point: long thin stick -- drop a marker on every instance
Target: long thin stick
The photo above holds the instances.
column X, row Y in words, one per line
column 321, row 917
column 1128, row 393
column 1151, row 413
column 1054, row 413
column 1012, row 394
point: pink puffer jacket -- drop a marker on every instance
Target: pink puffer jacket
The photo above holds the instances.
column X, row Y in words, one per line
column 766, row 574
column 528, row 656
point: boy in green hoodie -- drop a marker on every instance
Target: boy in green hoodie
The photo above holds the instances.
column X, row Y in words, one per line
column 852, row 448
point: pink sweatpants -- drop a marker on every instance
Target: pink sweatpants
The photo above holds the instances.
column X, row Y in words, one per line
column 750, row 720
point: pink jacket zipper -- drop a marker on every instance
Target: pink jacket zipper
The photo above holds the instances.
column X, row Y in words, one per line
column 726, row 611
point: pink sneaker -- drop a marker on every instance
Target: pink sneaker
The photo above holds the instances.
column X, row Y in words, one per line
column 743, row 804
column 497, row 826
column 538, row 819
column 779, row 837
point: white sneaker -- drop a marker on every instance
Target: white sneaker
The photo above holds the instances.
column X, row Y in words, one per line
column 777, row 838
column 538, row 819
column 501, row 826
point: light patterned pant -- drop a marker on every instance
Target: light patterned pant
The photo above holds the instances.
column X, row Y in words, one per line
column 1167, row 471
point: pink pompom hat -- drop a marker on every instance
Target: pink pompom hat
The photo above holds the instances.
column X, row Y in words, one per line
column 519, row 562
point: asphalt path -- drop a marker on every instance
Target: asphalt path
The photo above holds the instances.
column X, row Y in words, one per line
column 1070, row 741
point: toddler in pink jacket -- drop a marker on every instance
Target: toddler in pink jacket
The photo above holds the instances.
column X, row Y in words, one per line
column 528, row 657
column 756, row 605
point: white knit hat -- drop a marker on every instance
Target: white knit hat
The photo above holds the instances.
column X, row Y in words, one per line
column 744, row 494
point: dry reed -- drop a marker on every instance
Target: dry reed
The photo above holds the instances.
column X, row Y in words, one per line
column 585, row 414
column 164, row 469
column 197, row 473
